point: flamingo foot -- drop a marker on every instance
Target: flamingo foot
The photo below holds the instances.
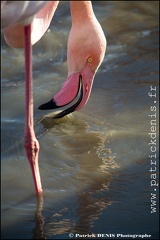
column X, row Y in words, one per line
column 32, row 150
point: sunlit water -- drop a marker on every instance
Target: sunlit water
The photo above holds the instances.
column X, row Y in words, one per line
column 94, row 163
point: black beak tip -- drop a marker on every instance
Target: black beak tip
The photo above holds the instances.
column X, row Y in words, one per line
column 49, row 105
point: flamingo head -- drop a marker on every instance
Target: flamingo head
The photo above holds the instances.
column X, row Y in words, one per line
column 86, row 50
column 76, row 89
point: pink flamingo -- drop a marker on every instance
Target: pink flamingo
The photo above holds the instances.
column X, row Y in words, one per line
column 85, row 53
column 22, row 29
column 86, row 50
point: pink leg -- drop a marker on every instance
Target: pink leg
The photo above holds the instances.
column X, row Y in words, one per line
column 31, row 143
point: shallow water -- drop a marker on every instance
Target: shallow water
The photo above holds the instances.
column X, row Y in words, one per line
column 95, row 163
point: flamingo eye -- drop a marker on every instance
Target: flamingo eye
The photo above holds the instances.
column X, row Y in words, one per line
column 89, row 60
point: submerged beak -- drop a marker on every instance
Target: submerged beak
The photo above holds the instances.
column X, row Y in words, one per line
column 73, row 95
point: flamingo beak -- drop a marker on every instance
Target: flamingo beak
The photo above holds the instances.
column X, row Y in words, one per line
column 69, row 107
column 73, row 95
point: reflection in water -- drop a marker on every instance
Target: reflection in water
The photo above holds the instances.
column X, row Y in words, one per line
column 90, row 206
column 38, row 231
column 81, row 142
column 89, row 149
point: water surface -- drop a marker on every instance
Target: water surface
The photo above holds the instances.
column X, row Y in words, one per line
column 94, row 163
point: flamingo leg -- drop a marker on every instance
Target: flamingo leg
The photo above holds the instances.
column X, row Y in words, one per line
column 31, row 143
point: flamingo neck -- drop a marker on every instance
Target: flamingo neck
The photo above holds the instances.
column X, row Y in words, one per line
column 81, row 11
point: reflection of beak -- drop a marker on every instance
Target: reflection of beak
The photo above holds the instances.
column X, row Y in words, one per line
column 69, row 107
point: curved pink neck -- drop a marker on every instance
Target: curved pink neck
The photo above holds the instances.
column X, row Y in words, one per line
column 81, row 11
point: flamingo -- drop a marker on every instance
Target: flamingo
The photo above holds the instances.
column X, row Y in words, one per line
column 85, row 52
column 22, row 29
